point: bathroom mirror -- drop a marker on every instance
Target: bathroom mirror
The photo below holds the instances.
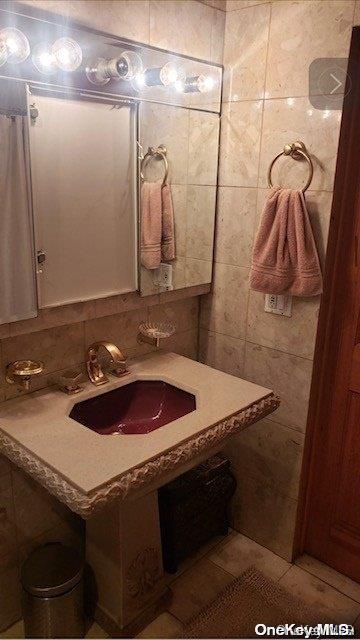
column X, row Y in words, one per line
column 78, row 112
column 190, row 139
column 83, row 169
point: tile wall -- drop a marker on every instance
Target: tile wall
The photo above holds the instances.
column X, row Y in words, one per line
column 28, row 515
column 268, row 49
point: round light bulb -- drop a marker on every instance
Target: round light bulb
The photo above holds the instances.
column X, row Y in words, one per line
column 139, row 82
column 44, row 60
column 171, row 73
column 17, row 47
column 205, row 84
column 134, row 65
column 67, row 53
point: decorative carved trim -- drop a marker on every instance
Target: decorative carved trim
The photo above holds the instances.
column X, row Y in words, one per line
column 143, row 574
column 86, row 504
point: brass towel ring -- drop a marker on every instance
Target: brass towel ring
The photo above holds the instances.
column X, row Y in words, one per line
column 154, row 152
column 295, row 150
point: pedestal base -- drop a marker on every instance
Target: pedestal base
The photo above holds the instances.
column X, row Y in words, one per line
column 123, row 549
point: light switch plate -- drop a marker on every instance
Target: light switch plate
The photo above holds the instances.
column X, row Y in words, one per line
column 278, row 304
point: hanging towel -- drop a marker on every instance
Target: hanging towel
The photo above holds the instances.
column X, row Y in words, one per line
column 157, row 224
column 168, row 233
column 285, row 259
column 151, row 224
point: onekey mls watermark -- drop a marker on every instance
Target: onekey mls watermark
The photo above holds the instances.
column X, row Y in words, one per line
column 321, row 630
column 329, row 82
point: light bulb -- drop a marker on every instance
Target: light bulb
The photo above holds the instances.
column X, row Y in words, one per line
column 201, row 84
column 167, row 75
column 67, row 53
column 44, row 59
column 171, row 73
column 139, row 82
column 14, row 47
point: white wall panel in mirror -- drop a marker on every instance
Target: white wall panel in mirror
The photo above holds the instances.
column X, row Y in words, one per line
column 83, row 165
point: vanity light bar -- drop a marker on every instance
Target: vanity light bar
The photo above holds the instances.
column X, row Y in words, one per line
column 65, row 54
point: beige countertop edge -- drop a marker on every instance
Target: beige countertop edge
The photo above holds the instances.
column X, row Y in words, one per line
column 85, row 504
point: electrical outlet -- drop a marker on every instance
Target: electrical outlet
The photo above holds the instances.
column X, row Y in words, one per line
column 163, row 277
column 278, row 304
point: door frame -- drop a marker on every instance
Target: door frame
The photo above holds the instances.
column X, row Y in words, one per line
column 343, row 214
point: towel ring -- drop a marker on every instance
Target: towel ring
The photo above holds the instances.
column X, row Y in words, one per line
column 153, row 152
column 295, row 150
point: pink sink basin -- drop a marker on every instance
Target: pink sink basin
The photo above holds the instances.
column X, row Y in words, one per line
column 138, row 407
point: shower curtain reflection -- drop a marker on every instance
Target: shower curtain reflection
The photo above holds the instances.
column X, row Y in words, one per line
column 17, row 272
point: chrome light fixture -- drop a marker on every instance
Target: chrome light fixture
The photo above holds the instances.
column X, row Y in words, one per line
column 127, row 66
column 67, row 54
column 14, row 46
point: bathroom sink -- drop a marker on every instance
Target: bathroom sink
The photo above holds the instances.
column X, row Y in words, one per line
column 136, row 408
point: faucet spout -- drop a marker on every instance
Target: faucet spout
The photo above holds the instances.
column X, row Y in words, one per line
column 94, row 369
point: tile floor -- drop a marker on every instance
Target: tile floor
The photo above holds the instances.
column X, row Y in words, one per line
column 200, row 579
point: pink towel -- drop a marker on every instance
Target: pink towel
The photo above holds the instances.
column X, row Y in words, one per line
column 168, row 233
column 157, row 224
column 285, row 259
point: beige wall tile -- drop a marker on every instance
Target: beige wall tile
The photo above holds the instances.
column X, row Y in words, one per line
column 240, row 553
column 319, row 130
column 271, row 454
column 183, row 313
column 197, row 271
column 54, row 317
column 222, row 352
column 201, row 202
column 121, row 329
column 294, row 335
column 203, row 148
column 45, row 513
column 217, row 4
column 128, row 18
column 217, row 37
column 179, row 198
column 167, row 125
column 287, row 375
column 165, row 31
column 185, row 343
column 235, row 5
column 357, row 13
column 58, row 348
column 240, row 143
column 235, row 225
column 306, row 37
column 10, row 597
column 246, row 40
column 265, row 515
column 179, row 272
column 224, row 310
column 320, row 596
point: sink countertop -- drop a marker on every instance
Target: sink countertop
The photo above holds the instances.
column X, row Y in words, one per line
column 79, row 465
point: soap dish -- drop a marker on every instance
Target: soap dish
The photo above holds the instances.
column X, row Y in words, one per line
column 153, row 332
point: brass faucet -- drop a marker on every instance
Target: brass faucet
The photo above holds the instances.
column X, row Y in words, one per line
column 93, row 366
column 21, row 372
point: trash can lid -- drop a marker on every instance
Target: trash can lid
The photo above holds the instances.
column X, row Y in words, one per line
column 51, row 570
